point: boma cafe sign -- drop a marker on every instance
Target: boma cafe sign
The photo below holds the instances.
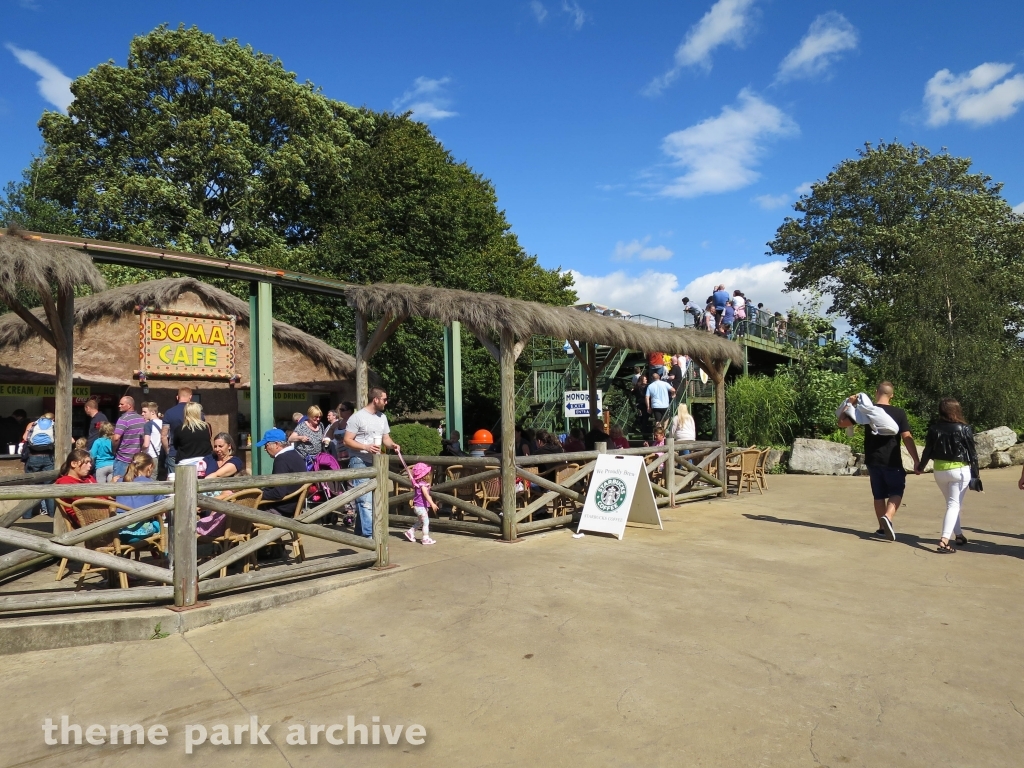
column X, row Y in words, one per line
column 188, row 345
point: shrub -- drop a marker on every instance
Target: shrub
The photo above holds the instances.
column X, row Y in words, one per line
column 417, row 439
column 761, row 410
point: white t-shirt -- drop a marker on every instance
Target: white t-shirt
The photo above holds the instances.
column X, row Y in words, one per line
column 155, row 427
column 367, row 428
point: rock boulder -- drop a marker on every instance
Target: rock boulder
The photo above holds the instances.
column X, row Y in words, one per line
column 775, row 457
column 992, row 440
column 908, row 463
column 819, row 457
column 1017, row 454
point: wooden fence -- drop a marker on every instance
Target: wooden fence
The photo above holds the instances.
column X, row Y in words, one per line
column 185, row 579
column 679, row 472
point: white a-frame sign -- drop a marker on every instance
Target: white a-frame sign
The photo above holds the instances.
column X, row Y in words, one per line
column 620, row 491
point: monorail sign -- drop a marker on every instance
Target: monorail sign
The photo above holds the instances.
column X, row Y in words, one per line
column 186, row 345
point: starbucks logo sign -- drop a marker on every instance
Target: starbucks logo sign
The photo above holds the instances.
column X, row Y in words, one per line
column 611, row 493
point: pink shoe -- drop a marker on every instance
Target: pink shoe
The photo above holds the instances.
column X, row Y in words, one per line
column 411, row 535
column 427, row 540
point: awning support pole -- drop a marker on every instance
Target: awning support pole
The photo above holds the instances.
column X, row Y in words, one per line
column 261, row 371
column 508, row 435
column 453, row 378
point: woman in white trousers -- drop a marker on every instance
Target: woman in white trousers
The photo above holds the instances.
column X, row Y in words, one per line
column 950, row 444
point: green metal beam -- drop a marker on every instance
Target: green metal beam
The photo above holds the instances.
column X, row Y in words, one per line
column 261, row 370
column 453, row 379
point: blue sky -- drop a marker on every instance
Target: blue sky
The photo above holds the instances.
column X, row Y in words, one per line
column 652, row 148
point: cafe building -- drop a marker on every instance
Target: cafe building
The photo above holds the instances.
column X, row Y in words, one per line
column 148, row 339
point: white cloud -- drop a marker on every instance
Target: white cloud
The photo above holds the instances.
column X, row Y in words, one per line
column 539, row 11
column 1019, row 208
column 577, row 14
column 728, row 21
column 981, row 96
column 720, row 152
column 427, row 100
column 771, row 202
column 639, row 249
column 829, row 35
column 54, row 85
column 659, row 294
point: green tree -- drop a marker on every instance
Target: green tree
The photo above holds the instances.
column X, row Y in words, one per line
column 923, row 258
column 211, row 147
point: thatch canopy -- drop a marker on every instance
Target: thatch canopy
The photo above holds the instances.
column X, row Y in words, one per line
column 488, row 312
column 121, row 301
column 28, row 263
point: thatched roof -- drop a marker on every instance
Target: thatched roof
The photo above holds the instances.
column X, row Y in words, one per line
column 161, row 293
column 28, row 263
column 490, row 313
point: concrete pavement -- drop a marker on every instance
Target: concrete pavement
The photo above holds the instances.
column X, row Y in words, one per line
column 763, row 630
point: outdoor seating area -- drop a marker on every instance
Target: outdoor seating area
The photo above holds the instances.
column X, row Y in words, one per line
column 180, row 562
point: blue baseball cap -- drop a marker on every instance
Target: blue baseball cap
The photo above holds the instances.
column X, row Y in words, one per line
column 272, row 436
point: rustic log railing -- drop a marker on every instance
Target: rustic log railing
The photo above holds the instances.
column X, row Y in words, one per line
column 680, row 473
column 186, row 579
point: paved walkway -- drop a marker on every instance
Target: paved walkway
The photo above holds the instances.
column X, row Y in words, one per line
column 769, row 630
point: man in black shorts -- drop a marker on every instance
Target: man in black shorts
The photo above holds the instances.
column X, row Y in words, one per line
column 885, row 462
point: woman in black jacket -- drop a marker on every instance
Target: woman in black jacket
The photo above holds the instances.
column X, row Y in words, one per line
column 950, row 444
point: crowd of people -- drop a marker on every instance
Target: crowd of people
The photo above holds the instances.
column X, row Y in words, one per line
column 732, row 315
column 146, row 445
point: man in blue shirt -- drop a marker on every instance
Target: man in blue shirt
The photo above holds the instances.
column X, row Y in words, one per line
column 659, row 396
column 721, row 297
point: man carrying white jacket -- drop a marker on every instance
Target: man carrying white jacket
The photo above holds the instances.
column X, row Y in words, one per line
column 858, row 409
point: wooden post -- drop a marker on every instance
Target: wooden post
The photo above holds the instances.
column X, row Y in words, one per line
column 380, row 510
column 64, row 382
column 362, row 366
column 721, row 433
column 591, row 371
column 670, row 471
column 508, row 435
column 183, row 558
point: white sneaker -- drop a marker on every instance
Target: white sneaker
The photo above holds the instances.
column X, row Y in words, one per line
column 427, row 541
column 411, row 535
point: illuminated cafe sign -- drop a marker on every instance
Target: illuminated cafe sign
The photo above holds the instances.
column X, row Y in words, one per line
column 186, row 345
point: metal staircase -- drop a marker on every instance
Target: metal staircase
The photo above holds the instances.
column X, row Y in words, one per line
column 539, row 400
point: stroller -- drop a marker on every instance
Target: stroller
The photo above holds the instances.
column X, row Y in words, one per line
column 321, row 492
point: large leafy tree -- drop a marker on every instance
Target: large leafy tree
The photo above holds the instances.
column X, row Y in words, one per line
column 209, row 146
column 923, row 257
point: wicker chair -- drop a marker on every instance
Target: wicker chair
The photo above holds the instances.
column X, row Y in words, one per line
column 561, row 504
column 298, row 552
column 759, row 468
column 526, row 495
column 65, row 511
column 744, row 470
column 236, row 531
column 455, row 472
column 487, row 491
column 91, row 511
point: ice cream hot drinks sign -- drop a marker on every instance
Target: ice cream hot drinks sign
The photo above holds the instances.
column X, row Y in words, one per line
column 194, row 346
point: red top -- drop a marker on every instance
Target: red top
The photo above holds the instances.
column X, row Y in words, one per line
column 69, row 480
column 620, row 442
